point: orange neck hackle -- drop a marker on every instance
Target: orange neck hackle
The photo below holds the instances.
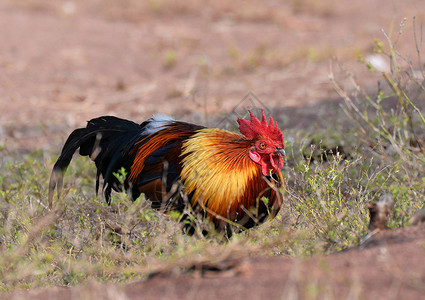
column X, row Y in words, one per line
column 217, row 169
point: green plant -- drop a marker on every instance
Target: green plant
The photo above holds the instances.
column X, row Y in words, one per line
column 170, row 58
column 391, row 124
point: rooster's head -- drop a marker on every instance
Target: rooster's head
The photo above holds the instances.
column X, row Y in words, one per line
column 267, row 143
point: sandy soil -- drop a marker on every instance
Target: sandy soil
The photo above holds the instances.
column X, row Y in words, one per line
column 63, row 63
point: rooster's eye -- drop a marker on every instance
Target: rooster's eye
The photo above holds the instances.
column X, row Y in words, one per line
column 262, row 146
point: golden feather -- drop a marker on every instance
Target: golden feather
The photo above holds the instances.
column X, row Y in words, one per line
column 216, row 168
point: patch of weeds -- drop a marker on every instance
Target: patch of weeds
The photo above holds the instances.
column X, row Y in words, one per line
column 391, row 125
column 327, row 200
column 170, row 59
column 233, row 52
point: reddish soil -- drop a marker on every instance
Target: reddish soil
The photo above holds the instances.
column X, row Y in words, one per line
column 66, row 62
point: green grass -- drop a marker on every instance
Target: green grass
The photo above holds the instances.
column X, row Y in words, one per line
column 325, row 198
column 170, row 59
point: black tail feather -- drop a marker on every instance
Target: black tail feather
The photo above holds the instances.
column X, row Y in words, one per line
column 107, row 140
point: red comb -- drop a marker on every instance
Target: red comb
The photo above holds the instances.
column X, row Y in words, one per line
column 254, row 127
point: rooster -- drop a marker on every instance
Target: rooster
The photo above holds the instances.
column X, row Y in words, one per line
column 226, row 177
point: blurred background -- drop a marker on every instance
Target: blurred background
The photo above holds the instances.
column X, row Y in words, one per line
column 65, row 62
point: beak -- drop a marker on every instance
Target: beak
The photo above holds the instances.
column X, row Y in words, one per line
column 281, row 152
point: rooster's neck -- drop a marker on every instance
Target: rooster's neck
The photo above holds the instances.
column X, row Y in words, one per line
column 217, row 170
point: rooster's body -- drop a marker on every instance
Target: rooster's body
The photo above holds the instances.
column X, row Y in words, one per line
column 222, row 175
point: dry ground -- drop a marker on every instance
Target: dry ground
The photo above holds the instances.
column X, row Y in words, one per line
column 65, row 62
column 388, row 266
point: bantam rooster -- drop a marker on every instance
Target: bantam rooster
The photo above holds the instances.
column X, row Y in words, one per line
column 226, row 177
